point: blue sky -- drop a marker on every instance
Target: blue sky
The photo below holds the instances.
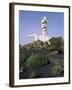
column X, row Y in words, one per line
column 30, row 22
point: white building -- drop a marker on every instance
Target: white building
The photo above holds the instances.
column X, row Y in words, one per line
column 44, row 36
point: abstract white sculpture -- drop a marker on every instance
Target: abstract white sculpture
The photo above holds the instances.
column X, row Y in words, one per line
column 44, row 36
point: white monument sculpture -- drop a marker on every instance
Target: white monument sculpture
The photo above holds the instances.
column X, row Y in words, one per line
column 44, row 36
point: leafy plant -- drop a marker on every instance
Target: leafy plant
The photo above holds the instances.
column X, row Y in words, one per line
column 57, row 43
column 35, row 61
column 57, row 69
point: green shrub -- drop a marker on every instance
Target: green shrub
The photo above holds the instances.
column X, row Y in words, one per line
column 35, row 61
column 57, row 69
column 57, row 43
column 23, row 58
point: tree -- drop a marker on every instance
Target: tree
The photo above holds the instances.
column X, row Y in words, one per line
column 57, row 43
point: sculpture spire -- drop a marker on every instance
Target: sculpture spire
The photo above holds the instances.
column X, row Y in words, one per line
column 44, row 36
column 44, row 25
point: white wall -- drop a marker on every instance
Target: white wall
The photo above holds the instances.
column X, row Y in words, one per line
column 4, row 44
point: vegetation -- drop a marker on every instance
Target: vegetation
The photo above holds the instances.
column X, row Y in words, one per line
column 57, row 69
column 37, row 60
column 37, row 54
column 34, row 61
column 57, row 43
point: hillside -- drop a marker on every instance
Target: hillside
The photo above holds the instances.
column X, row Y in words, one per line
column 37, row 44
column 39, row 59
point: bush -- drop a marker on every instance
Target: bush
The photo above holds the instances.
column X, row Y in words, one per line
column 35, row 61
column 57, row 69
column 57, row 43
column 23, row 58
